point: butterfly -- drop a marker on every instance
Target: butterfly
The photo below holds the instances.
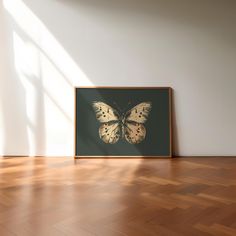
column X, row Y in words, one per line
column 129, row 125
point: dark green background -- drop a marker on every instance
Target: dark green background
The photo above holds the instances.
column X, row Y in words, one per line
column 157, row 141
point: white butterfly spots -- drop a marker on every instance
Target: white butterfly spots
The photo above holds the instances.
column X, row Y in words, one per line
column 129, row 125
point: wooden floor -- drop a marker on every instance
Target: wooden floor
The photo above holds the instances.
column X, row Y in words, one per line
column 60, row 196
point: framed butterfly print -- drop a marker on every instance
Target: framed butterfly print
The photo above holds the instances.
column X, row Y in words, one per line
column 123, row 122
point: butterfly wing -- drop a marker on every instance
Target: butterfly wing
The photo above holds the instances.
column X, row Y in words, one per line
column 105, row 113
column 135, row 132
column 109, row 130
column 139, row 113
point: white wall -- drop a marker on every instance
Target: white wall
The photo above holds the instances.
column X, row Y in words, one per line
column 49, row 46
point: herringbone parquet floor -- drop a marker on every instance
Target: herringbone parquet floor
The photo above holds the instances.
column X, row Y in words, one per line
column 105, row 197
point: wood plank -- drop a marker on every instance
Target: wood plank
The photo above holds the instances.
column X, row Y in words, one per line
column 117, row 197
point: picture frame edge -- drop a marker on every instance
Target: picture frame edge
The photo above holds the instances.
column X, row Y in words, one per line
column 170, row 89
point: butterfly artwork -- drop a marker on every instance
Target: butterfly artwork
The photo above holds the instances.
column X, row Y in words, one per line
column 116, row 125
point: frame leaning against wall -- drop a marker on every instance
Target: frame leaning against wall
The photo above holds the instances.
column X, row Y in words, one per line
column 115, row 156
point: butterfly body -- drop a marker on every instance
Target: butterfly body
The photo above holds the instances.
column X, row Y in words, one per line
column 129, row 125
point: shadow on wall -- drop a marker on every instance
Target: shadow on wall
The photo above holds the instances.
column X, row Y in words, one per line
column 36, row 115
column 37, row 89
column 22, row 100
column 136, row 27
column 14, row 118
column 19, row 127
column 12, row 101
column 145, row 43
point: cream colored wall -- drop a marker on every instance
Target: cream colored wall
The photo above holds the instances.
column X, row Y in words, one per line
column 52, row 46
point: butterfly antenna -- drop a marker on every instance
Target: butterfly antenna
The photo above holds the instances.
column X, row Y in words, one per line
column 127, row 106
column 117, row 107
column 124, row 111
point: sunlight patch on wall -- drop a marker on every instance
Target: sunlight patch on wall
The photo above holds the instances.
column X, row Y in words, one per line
column 48, row 75
column 26, row 65
column 40, row 35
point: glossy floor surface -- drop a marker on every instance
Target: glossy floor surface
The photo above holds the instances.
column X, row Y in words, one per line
column 105, row 197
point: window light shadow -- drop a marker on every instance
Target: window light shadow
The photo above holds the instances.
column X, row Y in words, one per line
column 48, row 75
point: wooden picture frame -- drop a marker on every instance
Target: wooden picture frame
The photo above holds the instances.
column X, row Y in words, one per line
column 86, row 144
